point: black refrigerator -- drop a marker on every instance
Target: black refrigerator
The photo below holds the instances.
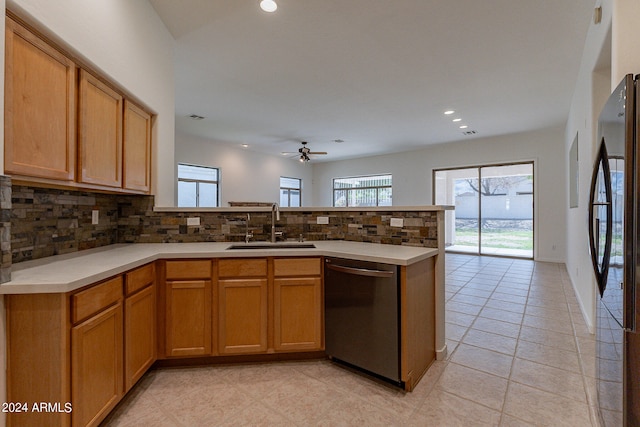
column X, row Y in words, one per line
column 613, row 237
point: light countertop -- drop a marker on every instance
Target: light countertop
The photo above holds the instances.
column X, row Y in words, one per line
column 65, row 273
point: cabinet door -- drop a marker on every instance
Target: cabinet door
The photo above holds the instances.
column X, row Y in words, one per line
column 298, row 314
column 242, row 316
column 100, row 133
column 96, row 366
column 136, row 163
column 140, row 334
column 40, row 107
column 188, row 318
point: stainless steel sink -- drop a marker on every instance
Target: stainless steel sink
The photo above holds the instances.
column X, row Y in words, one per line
column 269, row 245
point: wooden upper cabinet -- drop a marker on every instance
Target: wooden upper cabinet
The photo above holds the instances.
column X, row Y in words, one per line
column 40, row 107
column 136, row 162
column 100, row 133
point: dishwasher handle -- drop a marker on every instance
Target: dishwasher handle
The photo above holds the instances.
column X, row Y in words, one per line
column 360, row 271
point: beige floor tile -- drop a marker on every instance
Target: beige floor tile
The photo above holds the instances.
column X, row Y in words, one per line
column 550, row 356
column 451, row 346
column 140, row 409
column 444, row 409
column 490, row 341
column 306, row 400
column 485, row 389
column 467, row 290
column 257, row 415
column 509, row 421
column 201, row 405
column 549, row 338
column 507, row 329
column 455, row 332
column 548, row 378
column 555, row 304
column 483, row 360
column 504, row 315
column 545, row 409
column 561, row 314
column 511, row 289
column 460, row 319
column 469, row 299
column 353, row 411
column 506, row 306
column 499, row 295
column 548, row 323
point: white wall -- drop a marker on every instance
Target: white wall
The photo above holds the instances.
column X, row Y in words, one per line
column 126, row 41
column 246, row 176
column 412, row 177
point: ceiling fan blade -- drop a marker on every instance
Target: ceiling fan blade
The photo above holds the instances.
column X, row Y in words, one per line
column 317, row 152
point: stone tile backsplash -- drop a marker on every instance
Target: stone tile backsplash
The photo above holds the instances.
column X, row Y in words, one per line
column 47, row 222
column 5, row 228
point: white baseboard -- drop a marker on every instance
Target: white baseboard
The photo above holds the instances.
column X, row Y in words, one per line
column 442, row 353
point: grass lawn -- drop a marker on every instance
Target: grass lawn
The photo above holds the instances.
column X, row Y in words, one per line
column 496, row 238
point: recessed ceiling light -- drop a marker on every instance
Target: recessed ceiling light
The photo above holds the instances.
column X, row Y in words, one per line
column 245, row 145
column 268, row 5
column 457, row 120
column 464, row 127
column 449, row 112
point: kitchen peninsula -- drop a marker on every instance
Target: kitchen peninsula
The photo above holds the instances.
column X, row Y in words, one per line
column 68, row 314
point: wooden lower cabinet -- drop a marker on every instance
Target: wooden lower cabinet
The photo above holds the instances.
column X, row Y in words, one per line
column 139, row 334
column 96, row 366
column 242, row 316
column 188, row 318
column 38, row 356
column 297, row 314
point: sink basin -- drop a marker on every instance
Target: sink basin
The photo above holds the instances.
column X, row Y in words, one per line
column 268, row 245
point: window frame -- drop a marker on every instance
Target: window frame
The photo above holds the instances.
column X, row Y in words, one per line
column 377, row 188
column 198, row 182
column 288, row 189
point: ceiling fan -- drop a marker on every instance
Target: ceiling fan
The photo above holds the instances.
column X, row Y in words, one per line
column 304, row 152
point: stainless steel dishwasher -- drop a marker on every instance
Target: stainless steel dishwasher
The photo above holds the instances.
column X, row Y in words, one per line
column 362, row 326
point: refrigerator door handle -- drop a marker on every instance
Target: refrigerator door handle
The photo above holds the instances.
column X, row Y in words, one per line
column 601, row 266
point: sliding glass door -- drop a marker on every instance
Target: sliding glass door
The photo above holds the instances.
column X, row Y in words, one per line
column 494, row 209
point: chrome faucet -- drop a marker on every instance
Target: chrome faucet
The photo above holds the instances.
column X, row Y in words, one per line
column 275, row 216
column 248, row 235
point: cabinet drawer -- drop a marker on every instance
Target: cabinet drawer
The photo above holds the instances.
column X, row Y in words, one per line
column 139, row 278
column 96, row 298
column 297, row 266
column 246, row 267
column 193, row 269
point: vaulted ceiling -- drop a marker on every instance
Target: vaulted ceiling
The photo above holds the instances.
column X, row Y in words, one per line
column 376, row 74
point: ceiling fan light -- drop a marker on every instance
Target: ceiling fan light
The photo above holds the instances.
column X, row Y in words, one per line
column 268, row 5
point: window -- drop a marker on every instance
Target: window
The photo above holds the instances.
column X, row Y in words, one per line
column 290, row 192
column 197, row 186
column 374, row 190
